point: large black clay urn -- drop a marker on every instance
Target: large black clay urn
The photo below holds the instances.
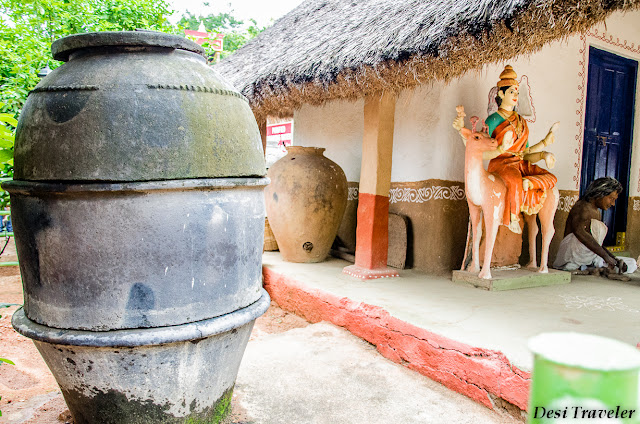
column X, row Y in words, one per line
column 138, row 213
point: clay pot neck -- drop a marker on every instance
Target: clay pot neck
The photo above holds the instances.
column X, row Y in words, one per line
column 298, row 150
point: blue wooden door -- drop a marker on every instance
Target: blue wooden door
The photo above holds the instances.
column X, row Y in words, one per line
column 608, row 129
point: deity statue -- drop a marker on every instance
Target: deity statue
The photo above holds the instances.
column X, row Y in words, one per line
column 528, row 186
column 514, row 159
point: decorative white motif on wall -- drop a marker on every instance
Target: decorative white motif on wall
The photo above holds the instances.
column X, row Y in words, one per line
column 353, row 193
column 524, row 82
column 582, row 88
column 566, row 202
column 425, row 194
column 636, row 205
column 595, row 303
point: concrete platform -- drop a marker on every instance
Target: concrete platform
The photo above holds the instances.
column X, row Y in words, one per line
column 512, row 279
column 322, row 374
column 473, row 341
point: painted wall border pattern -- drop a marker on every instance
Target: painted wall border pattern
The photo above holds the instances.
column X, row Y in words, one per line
column 419, row 195
column 565, row 203
column 424, row 194
column 582, row 88
column 582, row 74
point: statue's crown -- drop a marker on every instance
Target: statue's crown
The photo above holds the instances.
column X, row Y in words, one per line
column 508, row 77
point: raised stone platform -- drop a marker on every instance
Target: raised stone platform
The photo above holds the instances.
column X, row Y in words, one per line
column 471, row 341
column 512, row 279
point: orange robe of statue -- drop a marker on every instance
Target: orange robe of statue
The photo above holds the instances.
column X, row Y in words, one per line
column 512, row 168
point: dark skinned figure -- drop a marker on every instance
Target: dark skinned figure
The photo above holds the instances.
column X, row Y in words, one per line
column 581, row 249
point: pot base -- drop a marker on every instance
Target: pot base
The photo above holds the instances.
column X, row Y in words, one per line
column 183, row 374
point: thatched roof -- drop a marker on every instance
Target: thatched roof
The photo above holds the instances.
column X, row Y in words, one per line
column 330, row 49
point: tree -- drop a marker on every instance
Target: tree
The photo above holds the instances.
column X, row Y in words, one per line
column 30, row 26
column 7, row 122
column 236, row 34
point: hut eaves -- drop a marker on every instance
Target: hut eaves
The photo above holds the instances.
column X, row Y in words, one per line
column 334, row 49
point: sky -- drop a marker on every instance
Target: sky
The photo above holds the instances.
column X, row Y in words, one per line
column 263, row 11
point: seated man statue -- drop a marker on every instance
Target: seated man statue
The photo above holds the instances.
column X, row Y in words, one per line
column 584, row 232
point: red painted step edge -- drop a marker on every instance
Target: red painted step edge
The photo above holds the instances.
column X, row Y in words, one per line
column 474, row 372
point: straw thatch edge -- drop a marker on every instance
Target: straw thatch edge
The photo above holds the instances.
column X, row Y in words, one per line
column 530, row 30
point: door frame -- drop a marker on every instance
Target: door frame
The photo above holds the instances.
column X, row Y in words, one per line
column 625, row 174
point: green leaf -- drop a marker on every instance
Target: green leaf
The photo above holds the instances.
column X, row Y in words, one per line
column 9, row 119
column 6, row 361
column 6, row 155
column 5, row 132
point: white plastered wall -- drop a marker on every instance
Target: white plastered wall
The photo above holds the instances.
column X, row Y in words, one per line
column 427, row 147
column 338, row 127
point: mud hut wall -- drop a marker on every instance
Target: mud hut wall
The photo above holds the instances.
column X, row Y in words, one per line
column 428, row 166
column 337, row 126
column 428, row 156
column 428, row 171
column 427, row 175
column 562, row 67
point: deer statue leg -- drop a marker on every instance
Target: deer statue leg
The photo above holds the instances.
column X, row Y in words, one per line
column 476, row 228
column 532, row 226
column 546, row 214
column 491, row 223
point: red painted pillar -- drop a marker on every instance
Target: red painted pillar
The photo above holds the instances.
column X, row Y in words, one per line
column 372, row 237
column 372, row 234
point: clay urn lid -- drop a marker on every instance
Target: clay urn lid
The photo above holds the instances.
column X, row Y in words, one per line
column 62, row 48
column 138, row 106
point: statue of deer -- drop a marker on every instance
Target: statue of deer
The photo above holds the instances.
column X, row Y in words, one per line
column 486, row 194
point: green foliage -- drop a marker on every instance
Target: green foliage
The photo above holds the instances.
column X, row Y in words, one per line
column 3, row 360
column 236, row 32
column 30, row 26
column 211, row 22
column 7, row 125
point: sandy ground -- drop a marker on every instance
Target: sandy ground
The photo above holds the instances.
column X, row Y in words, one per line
column 30, row 394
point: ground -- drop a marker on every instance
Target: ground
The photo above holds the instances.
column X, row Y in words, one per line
column 292, row 371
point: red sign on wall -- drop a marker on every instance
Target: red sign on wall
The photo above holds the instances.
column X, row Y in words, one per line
column 279, row 136
column 284, row 130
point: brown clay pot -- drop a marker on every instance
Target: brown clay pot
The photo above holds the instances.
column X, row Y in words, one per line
column 305, row 203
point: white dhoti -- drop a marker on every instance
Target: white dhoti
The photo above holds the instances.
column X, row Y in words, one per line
column 573, row 255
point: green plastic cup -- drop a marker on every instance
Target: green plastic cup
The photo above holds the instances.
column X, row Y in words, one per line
column 582, row 378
